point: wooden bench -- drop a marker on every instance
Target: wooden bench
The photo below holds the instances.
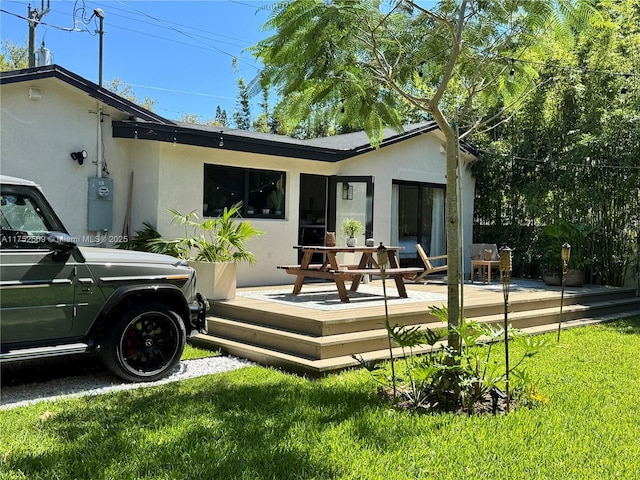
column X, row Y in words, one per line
column 408, row 272
column 294, row 269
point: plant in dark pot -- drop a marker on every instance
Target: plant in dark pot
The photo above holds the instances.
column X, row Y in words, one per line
column 551, row 241
column 213, row 247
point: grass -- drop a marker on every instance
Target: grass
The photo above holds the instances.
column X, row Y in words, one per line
column 259, row 423
column 192, row 353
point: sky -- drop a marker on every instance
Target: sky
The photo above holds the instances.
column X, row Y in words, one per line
column 178, row 53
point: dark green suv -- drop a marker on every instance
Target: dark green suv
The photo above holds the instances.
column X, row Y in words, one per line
column 57, row 298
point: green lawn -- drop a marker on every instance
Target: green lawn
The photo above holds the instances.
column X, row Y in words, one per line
column 259, row 423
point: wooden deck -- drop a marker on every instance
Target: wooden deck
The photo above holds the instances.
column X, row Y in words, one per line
column 315, row 333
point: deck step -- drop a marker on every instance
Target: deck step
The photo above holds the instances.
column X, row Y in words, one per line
column 318, row 367
column 313, row 342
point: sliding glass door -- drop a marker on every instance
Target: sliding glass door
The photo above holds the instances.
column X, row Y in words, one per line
column 418, row 218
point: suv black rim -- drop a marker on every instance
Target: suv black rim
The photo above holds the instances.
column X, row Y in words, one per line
column 149, row 343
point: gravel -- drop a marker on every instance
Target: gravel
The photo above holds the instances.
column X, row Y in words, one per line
column 98, row 381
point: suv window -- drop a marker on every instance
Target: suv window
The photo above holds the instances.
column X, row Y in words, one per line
column 22, row 221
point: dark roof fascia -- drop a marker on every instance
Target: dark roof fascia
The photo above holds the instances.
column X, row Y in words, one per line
column 245, row 142
column 84, row 85
column 208, row 139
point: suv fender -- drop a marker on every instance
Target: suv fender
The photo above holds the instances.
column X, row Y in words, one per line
column 125, row 297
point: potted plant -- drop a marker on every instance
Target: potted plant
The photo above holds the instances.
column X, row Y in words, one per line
column 553, row 237
column 212, row 247
column 351, row 228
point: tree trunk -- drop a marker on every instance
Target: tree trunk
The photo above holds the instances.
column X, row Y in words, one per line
column 453, row 241
column 452, row 227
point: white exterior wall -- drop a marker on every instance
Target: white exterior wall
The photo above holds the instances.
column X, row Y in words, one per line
column 38, row 137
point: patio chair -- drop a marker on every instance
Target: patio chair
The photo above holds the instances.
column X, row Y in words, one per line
column 428, row 267
column 484, row 258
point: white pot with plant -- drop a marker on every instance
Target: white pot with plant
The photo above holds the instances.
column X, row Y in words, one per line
column 212, row 247
column 352, row 228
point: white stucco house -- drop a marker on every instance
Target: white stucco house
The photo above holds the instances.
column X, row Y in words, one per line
column 139, row 164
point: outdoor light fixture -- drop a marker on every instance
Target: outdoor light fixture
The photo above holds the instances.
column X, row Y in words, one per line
column 79, row 156
column 347, row 191
column 505, row 279
column 221, row 142
column 566, row 254
column 382, row 256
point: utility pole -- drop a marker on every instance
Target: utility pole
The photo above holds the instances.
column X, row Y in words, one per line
column 33, row 18
column 100, row 14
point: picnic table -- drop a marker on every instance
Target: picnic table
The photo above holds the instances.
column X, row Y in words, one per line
column 331, row 269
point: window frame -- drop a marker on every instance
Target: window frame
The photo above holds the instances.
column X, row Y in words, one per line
column 257, row 202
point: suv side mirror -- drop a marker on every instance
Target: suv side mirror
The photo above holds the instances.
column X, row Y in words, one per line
column 59, row 241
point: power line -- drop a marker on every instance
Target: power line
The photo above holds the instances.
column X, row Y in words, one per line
column 549, row 161
column 164, row 24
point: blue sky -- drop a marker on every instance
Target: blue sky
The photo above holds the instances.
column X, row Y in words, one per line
column 178, row 53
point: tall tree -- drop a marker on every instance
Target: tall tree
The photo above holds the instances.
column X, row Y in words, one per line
column 220, row 118
column 125, row 90
column 242, row 116
column 13, row 56
column 368, row 59
column 261, row 124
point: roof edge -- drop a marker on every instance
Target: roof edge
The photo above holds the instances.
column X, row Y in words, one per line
column 100, row 93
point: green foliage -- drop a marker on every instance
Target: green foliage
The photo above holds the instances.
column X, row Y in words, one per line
column 352, row 227
column 141, row 239
column 220, row 239
column 556, row 235
column 126, row 91
column 571, row 152
column 220, row 118
column 449, row 379
column 13, row 56
column 242, row 115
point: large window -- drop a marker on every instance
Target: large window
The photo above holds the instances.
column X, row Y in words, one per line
column 262, row 192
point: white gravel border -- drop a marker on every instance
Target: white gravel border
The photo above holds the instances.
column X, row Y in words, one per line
column 98, row 384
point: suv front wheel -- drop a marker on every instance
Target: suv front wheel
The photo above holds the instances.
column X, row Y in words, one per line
column 144, row 343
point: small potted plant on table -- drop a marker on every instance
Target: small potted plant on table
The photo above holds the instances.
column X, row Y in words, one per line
column 351, row 228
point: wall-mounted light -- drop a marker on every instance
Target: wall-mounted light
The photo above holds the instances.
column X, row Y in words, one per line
column 221, row 142
column 347, row 191
column 79, row 156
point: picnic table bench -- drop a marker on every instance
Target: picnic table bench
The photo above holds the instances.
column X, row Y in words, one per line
column 332, row 270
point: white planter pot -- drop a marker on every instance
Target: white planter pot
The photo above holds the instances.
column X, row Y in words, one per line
column 216, row 281
column 352, row 241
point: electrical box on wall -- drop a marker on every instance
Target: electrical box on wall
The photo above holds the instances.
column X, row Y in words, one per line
column 100, row 208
